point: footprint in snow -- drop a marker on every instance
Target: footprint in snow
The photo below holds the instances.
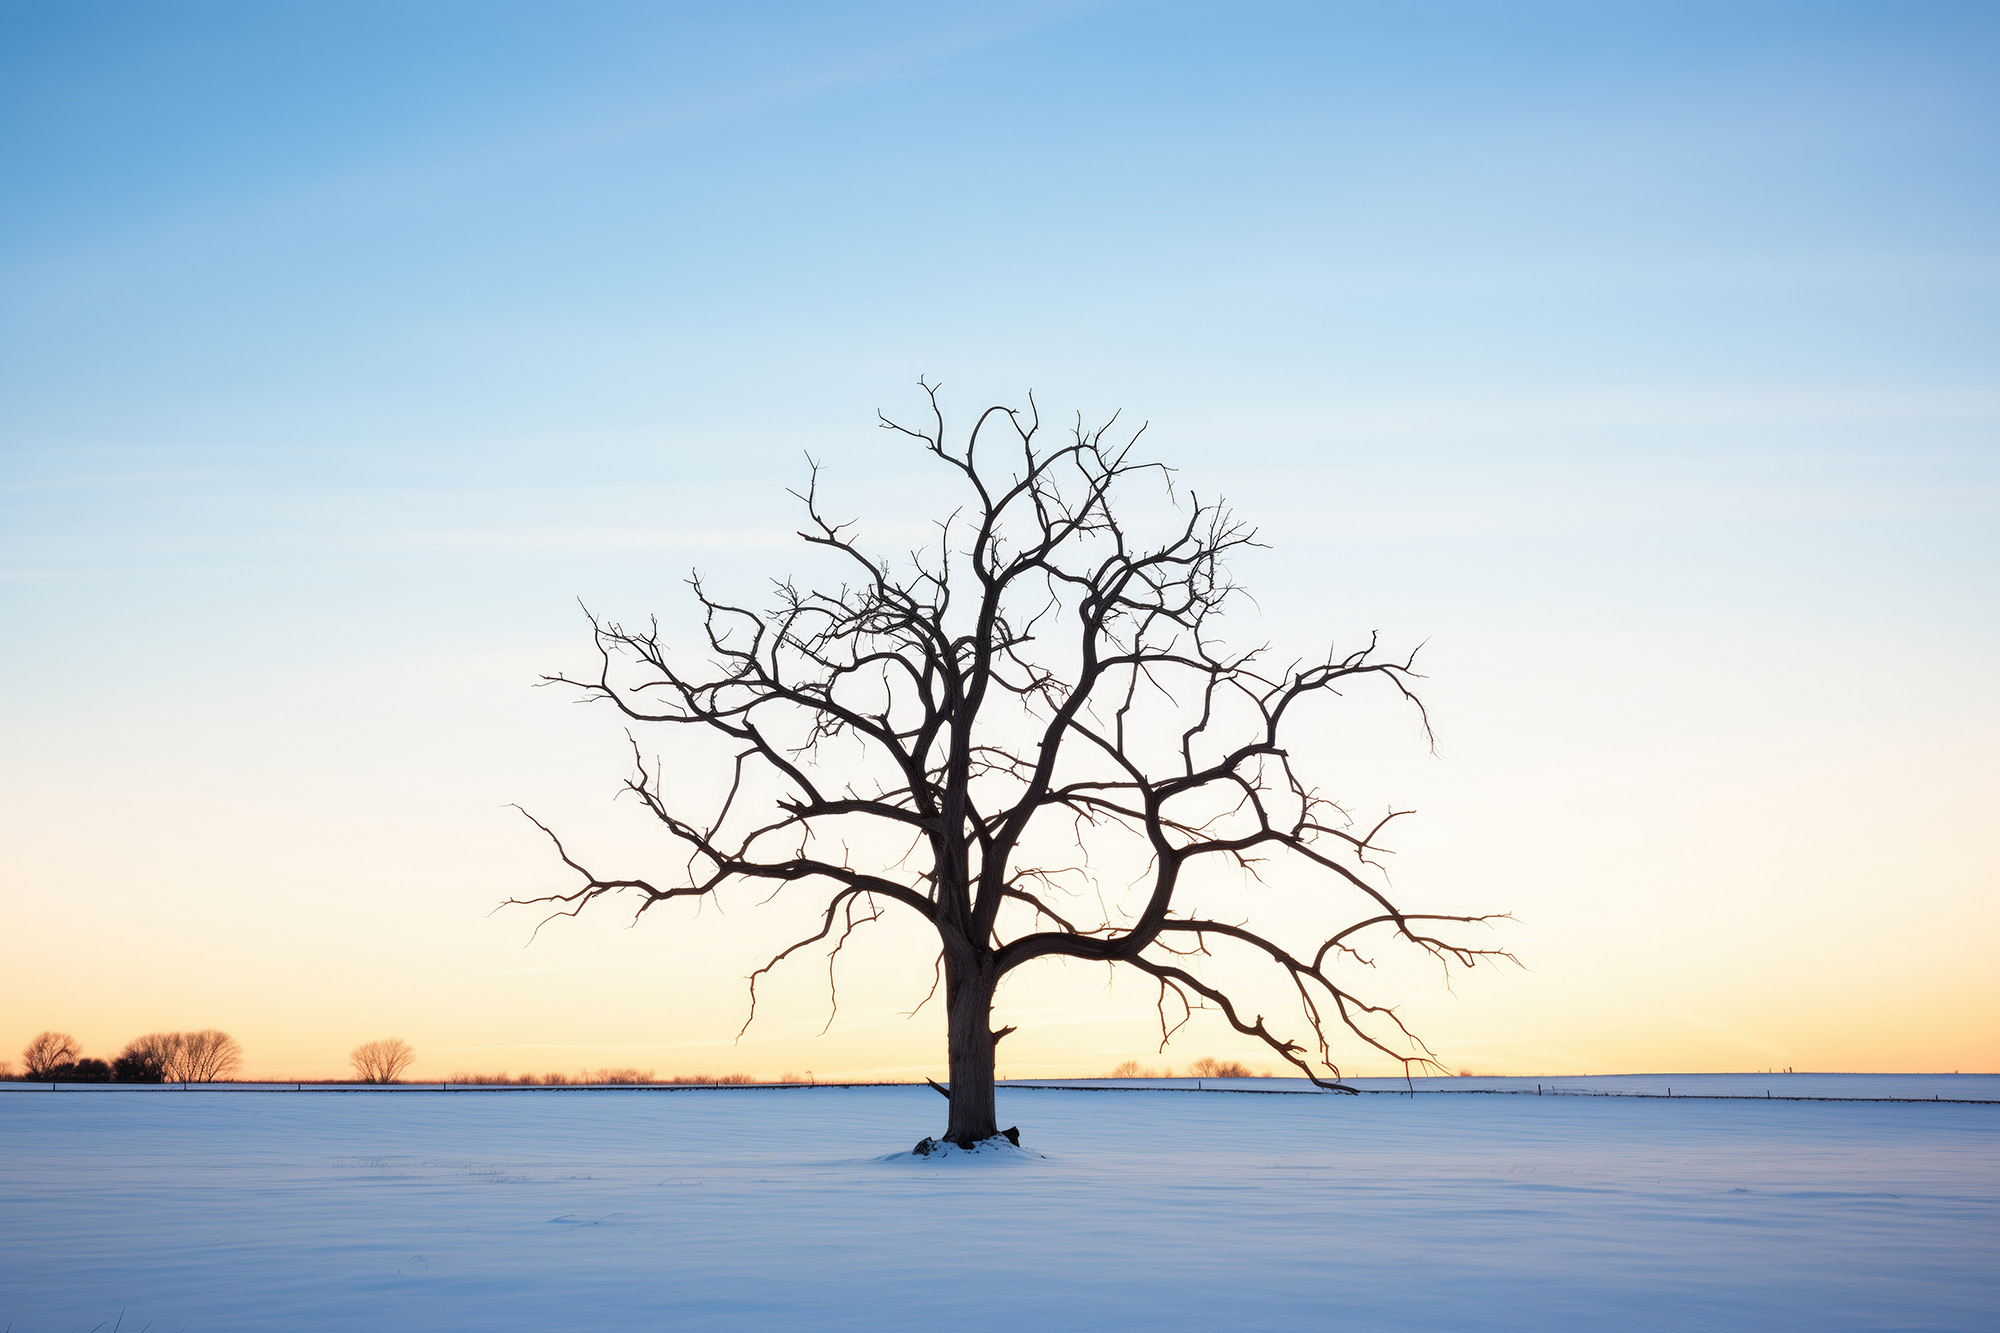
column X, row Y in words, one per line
column 571, row 1220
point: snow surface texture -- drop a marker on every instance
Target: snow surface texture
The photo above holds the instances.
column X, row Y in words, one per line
column 755, row 1208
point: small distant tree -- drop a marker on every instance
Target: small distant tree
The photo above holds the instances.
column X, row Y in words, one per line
column 152, row 1058
column 48, row 1053
column 382, row 1061
column 86, row 1070
column 1210, row 1067
column 1133, row 1069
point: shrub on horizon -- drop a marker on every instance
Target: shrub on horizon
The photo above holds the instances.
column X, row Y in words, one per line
column 130, row 1069
column 86, row 1070
column 153, row 1058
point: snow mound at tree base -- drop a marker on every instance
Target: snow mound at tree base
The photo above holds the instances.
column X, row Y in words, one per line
column 1001, row 1146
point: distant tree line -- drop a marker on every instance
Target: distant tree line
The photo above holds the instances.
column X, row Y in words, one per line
column 384, row 1062
column 157, row 1057
column 612, row 1076
column 210, row 1054
column 1206, row 1067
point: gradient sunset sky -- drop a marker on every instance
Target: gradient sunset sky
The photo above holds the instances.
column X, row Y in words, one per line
column 1638, row 359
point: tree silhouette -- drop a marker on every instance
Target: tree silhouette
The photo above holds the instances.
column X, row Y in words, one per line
column 1036, row 702
column 153, row 1058
column 381, row 1061
column 47, row 1052
column 204, row 1056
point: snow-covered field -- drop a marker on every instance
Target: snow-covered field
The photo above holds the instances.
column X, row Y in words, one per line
column 742, row 1208
column 1846, row 1087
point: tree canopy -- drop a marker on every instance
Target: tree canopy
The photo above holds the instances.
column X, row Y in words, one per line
column 1040, row 703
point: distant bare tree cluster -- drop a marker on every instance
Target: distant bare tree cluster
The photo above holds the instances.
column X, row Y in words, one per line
column 1132, row 1069
column 1206, row 1067
column 153, row 1058
column 157, row 1057
column 590, row 1076
column 381, row 1061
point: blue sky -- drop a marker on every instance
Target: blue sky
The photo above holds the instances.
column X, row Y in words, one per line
column 1641, row 357
column 471, row 218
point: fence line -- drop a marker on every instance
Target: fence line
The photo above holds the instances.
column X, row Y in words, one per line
column 1521, row 1092
column 458, row 1088
column 301, row 1087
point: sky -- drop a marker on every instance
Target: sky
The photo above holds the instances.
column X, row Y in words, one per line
column 1637, row 360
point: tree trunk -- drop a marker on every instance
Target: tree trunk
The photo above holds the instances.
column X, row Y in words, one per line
column 969, row 1006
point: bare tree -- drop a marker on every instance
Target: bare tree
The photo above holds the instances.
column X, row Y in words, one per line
column 47, row 1052
column 204, row 1056
column 381, row 1061
column 153, row 1058
column 1036, row 703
